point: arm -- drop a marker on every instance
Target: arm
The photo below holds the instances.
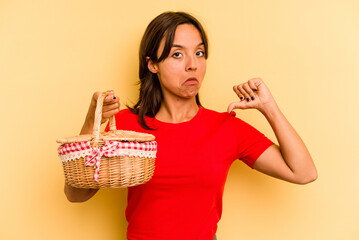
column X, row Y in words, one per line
column 110, row 107
column 290, row 161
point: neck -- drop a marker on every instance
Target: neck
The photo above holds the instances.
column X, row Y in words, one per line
column 178, row 110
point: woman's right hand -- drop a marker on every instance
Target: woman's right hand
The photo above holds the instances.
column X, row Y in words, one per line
column 111, row 106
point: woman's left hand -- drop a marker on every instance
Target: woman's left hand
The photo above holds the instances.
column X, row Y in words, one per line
column 253, row 94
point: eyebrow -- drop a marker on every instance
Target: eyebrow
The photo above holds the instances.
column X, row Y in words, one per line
column 180, row 46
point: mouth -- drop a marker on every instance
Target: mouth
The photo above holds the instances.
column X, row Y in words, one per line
column 191, row 81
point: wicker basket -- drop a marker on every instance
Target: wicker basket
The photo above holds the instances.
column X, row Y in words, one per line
column 114, row 159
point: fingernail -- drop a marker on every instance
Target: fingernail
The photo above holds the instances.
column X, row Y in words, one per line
column 247, row 99
column 252, row 98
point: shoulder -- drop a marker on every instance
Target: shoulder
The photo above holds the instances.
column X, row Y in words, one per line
column 213, row 115
column 126, row 113
column 226, row 120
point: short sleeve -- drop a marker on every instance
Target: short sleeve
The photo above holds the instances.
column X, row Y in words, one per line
column 251, row 142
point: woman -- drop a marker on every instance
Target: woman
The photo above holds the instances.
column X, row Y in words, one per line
column 196, row 146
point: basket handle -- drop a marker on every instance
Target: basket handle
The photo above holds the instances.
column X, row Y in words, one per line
column 98, row 118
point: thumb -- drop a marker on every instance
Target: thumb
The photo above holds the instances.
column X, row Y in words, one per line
column 235, row 105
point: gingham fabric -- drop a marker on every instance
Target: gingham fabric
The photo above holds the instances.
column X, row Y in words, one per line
column 71, row 151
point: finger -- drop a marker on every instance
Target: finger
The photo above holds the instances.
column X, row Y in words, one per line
column 257, row 82
column 95, row 96
column 252, row 84
column 110, row 107
column 249, row 91
column 110, row 99
column 108, row 114
column 235, row 89
column 235, row 105
column 244, row 92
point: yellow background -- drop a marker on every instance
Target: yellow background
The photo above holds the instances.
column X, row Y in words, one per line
column 55, row 54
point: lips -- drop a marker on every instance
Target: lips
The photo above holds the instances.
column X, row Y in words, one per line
column 191, row 81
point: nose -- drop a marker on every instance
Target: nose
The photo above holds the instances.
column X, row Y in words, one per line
column 191, row 64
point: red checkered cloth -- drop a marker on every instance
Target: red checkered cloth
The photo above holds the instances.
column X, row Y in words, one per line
column 71, row 151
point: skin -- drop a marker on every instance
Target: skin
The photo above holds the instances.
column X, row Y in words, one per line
column 290, row 161
column 111, row 106
column 186, row 60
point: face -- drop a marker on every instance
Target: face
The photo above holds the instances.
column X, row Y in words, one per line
column 182, row 72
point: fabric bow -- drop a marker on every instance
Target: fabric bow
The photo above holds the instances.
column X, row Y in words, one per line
column 95, row 156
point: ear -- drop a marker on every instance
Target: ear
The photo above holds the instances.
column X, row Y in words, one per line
column 151, row 65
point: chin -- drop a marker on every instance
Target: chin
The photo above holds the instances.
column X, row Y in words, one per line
column 190, row 94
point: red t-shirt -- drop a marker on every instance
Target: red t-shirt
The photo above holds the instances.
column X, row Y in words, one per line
column 183, row 199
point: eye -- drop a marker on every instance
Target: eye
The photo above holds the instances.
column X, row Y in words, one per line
column 176, row 54
column 200, row 53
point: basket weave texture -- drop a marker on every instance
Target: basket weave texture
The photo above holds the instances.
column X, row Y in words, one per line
column 114, row 159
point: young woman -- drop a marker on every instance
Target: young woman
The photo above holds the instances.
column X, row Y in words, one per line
column 196, row 146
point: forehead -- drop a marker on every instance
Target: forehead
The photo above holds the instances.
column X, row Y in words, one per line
column 187, row 34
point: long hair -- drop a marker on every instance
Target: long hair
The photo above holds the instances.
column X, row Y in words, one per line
column 150, row 94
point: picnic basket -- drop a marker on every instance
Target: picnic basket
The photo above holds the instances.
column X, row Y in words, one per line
column 114, row 159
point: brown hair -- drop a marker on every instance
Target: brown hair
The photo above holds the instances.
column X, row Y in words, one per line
column 150, row 94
